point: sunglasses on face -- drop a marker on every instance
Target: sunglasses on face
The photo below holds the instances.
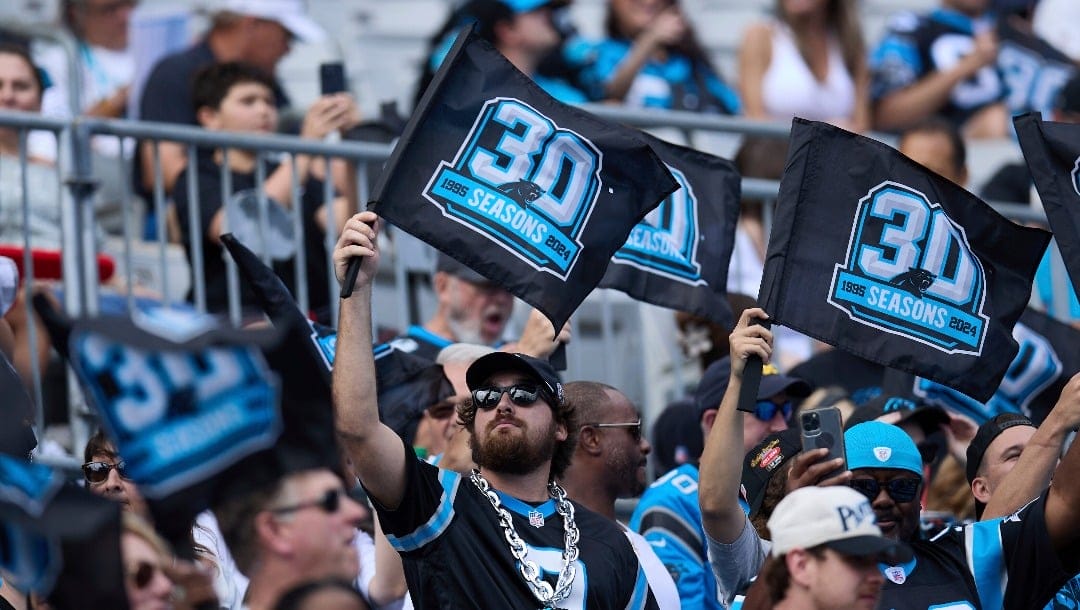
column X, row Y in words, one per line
column 521, row 394
column 634, row 427
column 98, row 472
column 329, row 503
column 900, row 490
column 765, row 410
column 143, row 574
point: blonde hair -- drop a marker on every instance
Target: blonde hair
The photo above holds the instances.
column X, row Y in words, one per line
column 137, row 526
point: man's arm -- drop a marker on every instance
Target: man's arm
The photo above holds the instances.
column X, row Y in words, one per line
column 722, row 457
column 1063, row 500
column 375, row 450
column 1036, row 463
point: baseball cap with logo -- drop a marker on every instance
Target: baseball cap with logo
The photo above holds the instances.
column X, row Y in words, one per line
column 505, row 362
column 764, row 460
column 875, row 444
column 714, row 382
column 837, row 517
column 289, row 13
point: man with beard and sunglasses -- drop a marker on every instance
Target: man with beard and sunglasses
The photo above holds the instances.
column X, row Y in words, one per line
column 505, row 536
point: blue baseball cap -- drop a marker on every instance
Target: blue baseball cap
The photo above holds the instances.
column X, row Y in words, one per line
column 875, row 444
column 525, row 6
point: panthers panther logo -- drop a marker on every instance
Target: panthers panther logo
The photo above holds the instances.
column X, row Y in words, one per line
column 522, row 191
column 915, row 281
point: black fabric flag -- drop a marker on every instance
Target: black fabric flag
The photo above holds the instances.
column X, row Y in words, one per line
column 678, row 256
column 1033, row 71
column 1052, row 152
column 1047, row 359
column 529, row 192
column 879, row 256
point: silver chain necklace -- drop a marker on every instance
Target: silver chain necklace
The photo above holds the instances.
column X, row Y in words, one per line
column 541, row 589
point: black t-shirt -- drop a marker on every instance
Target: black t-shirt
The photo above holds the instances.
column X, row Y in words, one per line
column 1000, row 563
column 210, row 200
column 456, row 556
column 167, row 96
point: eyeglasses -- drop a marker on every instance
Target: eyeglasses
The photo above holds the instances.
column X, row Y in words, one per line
column 329, row 503
column 521, row 394
column 143, row 574
column 900, row 490
column 98, row 472
column 765, row 410
column 633, row 426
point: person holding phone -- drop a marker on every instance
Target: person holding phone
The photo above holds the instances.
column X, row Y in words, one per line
column 735, row 550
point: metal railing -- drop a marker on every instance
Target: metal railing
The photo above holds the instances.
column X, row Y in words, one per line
column 80, row 279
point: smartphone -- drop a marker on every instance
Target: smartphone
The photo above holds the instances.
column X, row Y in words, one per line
column 332, row 77
column 824, row 428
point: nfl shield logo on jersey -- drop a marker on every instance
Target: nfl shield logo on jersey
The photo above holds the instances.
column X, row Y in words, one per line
column 536, row 519
column 883, row 453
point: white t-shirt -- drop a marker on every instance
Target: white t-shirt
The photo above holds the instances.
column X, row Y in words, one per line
column 789, row 88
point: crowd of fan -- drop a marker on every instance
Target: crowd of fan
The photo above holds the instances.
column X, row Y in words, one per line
column 729, row 482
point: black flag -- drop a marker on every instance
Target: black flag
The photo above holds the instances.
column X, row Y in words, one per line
column 879, row 256
column 529, row 192
column 1052, row 152
column 1032, row 70
column 1047, row 359
column 678, row 256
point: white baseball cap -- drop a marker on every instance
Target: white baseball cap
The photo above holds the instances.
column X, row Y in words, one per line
column 837, row 517
column 289, row 13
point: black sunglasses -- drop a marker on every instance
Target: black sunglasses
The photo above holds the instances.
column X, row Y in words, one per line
column 634, row 427
column 329, row 503
column 521, row 394
column 900, row 490
column 98, row 472
column 143, row 574
column 765, row 410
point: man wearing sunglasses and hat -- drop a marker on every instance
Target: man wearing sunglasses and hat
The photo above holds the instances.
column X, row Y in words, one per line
column 505, row 536
column 669, row 515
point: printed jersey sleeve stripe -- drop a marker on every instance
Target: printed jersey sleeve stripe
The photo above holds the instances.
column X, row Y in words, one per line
column 438, row 522
column 641, row 591
column 982, row 542
column 671, row 525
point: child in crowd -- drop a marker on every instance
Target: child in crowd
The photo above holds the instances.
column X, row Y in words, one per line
column 239, row 98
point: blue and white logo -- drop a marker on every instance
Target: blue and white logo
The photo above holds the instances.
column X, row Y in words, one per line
column 524, row 182
column 1076, row 176
column 666, row 241
column 177, row 416
column 28, row 486
column 910, row 271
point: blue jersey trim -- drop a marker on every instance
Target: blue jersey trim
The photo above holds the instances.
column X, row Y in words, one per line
column 438, row 522
column 524, row 508
column 423, row 334
column 641, row 591
column 984, row 556
column 954, row 19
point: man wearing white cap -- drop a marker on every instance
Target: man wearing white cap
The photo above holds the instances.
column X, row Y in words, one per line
column 825, row 552
column 256, row 32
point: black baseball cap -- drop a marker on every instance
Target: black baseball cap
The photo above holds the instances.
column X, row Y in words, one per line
column 714, row 382
column 503, row 362
column 1068, row 98
column 927, row 417
column 764, row 460
column 988, row 431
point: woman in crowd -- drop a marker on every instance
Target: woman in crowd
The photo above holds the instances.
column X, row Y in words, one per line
column 651, row 58
column 808, row 61
column 146, row 558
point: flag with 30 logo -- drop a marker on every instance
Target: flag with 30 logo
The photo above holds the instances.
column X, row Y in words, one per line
column 879, row 256
column 531, row 193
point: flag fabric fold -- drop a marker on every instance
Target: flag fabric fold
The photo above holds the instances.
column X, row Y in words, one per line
column 531, row 193
column 879, row 256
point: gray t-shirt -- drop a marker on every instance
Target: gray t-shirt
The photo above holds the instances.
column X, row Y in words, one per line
column 737, row 564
